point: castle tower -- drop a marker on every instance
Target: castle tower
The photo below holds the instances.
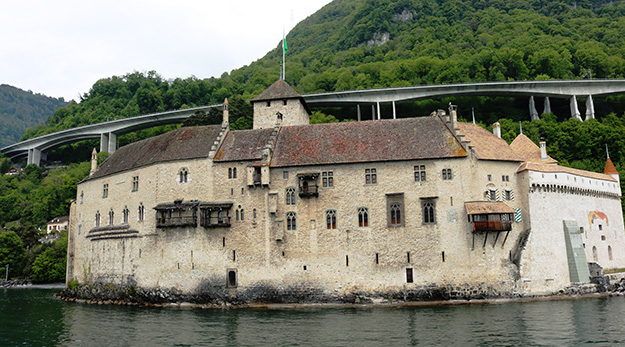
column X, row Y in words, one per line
column 225, row 123
column 610, row 169
column 94, row 162
column 279, row 105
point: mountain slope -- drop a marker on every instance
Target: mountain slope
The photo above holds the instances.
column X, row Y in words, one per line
column 20, row 110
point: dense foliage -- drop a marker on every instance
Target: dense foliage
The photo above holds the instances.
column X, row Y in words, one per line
column 20, row 110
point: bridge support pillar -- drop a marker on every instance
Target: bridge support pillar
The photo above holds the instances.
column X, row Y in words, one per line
column 372, row 112
column 590, row 108
column 112, row 143
column 394, row 111
column 547, row 106
column 104, row 142
column 358, row 112
column 533, row 112
column 379, row 114
column 34, row 156
column 574, row 110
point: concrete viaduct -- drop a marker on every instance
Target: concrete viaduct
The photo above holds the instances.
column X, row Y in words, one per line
column 570, row 89
column 107, row 132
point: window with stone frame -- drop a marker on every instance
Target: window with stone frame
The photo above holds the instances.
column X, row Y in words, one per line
column 447, row 174
column 290, row 196
column 395, row 209
column 363, row 217
column 508, row 194
column 428, row 207
column 105, row 190
column 371, row 176
column 140, row 213
column 183, row 175
column 291, row 221
column 327, row 179
column 135, row 183
column 125, row 214
column 331, row 219
column 419, row 173
column 111, row 217
column 97, row 219
column 492, row 194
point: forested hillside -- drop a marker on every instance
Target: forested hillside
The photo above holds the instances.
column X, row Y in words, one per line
column 21, row 110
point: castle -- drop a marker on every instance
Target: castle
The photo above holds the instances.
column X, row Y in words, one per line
column 410, row 206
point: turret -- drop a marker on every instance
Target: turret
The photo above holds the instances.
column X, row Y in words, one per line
column 94, row 162
column 225, row 123
column 279, row 105
column 610, row 169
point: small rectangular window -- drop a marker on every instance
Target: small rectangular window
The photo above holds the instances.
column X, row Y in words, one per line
column 371, row 176
column 409, row 278
column 135, row 183
column 447, row 174
column 285, row 175
column 327, row 179
column 105, row 190
column 419, row 173
column 490, row 178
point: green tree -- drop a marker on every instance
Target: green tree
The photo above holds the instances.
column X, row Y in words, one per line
column 50, row 265
column 11, row 252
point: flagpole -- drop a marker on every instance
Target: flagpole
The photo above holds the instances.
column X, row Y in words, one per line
column 283, row 54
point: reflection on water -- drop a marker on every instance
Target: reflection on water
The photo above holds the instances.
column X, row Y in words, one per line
column 33, row 317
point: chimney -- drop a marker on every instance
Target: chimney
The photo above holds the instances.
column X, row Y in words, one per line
column 225, row 123
column 497, row 129
column 94, row 162
column 543, row 150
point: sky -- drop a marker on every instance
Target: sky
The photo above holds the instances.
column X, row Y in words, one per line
column 61, row 48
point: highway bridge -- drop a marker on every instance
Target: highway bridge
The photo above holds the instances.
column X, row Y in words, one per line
column 107, row 132
column 570, row 89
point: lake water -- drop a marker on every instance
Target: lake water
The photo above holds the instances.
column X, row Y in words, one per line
column 34, row 317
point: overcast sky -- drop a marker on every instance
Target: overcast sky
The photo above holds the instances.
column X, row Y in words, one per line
column 60, row 48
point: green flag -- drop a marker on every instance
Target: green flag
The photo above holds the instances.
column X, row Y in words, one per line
column 284, row 45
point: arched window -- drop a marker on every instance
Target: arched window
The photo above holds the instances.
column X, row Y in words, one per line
column 140, row 213
column 291, row 221
column 363, row 217
column 234, row 172
column 97, row 219
column 183, row 175
column 229, row 172
column 290, row 196
column 395, row 214
column 111, row 217
column 331, row 219
column 125, row 214
column 429, row 212
column 595, row 258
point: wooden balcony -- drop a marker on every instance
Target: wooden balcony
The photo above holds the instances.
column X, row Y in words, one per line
column 309, row 191
column 215, row 222
column 492, row 225
column 174, row 222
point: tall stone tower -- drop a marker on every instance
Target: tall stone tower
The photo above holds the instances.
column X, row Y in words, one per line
column 279, row 105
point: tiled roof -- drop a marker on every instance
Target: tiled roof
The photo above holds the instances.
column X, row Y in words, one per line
column 486, row 207
column 486, row 145
column 243, row 145
column 609, row 167
column 532, row 166
column 59, row 220
column 368, row 141
column 180, row 144
column 527, row 149
column 279, row 90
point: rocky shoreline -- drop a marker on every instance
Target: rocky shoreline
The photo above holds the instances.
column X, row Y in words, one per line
column 15, row 283
column 107, row 294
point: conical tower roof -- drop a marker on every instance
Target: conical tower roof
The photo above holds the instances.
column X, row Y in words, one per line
column 277, row 91
column 609, row 167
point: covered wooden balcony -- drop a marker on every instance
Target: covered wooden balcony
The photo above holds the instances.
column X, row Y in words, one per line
column 489, row 216
column 308, row 187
